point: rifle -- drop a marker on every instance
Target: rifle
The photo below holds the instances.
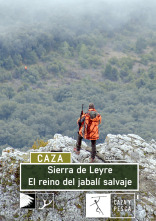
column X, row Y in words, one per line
column 81, row 116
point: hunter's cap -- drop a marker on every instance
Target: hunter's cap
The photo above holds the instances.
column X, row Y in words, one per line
column 91, row 106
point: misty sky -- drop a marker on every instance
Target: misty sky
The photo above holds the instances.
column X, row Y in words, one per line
column 20, row 13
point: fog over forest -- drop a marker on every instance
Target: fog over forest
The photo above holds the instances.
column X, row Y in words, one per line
column 110, row 14
column 57, row 54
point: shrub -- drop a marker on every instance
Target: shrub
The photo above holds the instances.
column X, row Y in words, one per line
column 140, row 45
column 39, row 143
column 110, row 73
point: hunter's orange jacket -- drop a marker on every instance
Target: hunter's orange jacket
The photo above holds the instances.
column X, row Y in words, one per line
column 89, row 125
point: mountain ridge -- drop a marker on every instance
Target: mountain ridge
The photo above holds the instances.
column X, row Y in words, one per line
column 131, row 148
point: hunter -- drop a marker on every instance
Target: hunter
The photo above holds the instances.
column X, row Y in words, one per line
column 88, row 129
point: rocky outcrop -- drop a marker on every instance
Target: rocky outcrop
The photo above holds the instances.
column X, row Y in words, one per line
column 71, row 205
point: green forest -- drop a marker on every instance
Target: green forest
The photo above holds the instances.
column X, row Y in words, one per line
column 51, row 66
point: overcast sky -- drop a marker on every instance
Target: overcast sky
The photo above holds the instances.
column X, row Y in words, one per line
column 18, row 13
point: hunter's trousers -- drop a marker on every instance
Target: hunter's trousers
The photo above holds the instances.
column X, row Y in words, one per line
column 93, row 145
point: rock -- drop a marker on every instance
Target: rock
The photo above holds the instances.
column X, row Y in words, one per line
column 55, row 216
column 12, row 177
column 70, row 204
column 140, row 213
column 126, row 138
column 135, row 137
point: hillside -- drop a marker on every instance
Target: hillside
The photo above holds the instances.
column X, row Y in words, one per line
column 52, row 63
